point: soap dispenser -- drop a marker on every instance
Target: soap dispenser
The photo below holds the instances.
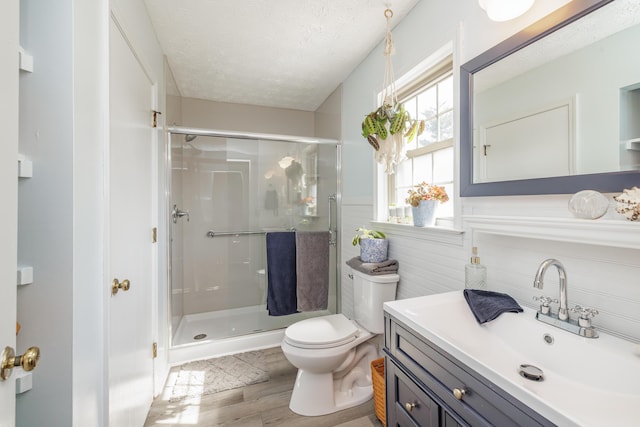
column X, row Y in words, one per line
column 475, row 274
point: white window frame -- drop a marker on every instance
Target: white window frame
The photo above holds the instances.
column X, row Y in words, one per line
column 429, row 69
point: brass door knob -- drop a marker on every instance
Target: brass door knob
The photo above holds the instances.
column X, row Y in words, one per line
column 459, row 393
column 409, row 406
column 116, row 286
column 9, row 360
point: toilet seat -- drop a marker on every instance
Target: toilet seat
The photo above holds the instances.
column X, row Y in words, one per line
column 322, row 332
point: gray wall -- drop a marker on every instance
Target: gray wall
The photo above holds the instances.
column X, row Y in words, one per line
column 45, row 210
column 199, row 113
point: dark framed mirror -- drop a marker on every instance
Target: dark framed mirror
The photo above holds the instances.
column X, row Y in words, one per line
column 518, row 138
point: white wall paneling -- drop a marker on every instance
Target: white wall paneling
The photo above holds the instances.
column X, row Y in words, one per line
column 352, row 216
column 598, row 276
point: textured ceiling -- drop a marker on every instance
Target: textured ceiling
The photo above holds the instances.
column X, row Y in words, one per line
column 276, row 53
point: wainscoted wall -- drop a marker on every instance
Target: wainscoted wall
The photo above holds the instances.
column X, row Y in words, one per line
column 354, row 214
column 426, row 266
column 600, row 277
column 601, row 257
column 603, row 277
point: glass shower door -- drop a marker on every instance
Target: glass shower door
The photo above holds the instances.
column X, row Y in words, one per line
column 235, row 191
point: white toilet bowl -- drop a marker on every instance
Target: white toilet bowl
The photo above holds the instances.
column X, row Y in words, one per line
column 333, row 374
column 333, row 354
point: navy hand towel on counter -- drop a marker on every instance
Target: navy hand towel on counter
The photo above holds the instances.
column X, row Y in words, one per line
column 488, row 305
column 281, row 273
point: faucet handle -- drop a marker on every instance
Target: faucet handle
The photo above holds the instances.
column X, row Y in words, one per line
column 585, row 315
column 544, row 303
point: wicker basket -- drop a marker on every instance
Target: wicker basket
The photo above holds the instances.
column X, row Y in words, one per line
column 379, row 392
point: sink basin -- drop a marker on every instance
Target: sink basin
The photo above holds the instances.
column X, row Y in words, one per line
column 587, row 382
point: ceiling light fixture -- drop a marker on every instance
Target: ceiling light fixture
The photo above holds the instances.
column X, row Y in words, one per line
column 504, row 10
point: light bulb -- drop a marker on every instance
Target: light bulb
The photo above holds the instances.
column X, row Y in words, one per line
column 504, row 10
column 285, row 162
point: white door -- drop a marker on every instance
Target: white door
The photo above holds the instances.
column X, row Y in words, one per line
column 129, row 237
column 9, row 19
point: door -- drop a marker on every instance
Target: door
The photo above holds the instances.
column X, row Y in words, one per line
column 9, row 19
column 129, row 235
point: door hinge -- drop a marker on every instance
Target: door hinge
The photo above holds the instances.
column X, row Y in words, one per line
column 154, row 235
column 155, row 118
column 155, row 350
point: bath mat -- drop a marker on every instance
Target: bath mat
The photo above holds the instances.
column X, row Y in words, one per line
column 210, row 376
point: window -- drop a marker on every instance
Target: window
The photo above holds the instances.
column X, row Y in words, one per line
column 430, row 156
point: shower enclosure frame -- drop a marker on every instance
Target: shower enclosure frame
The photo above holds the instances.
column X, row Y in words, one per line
column 260, row 339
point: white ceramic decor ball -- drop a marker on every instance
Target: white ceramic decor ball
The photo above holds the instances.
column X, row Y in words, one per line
column 588, row 204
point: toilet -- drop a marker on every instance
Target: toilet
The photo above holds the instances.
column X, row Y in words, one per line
column 333, row 354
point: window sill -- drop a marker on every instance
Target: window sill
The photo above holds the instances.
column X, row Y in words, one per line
column 439, row 233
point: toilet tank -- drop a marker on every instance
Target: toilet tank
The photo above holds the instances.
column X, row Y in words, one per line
column 369, row 293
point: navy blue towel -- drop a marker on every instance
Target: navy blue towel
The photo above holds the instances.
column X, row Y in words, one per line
column 281, row 273
column 488, row 305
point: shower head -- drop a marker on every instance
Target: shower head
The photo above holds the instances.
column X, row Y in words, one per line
column 189, row 138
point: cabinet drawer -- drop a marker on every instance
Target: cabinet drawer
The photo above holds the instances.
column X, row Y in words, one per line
column 482, row 403
column 410, row 405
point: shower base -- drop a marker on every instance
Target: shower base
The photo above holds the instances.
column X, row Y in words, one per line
column 229, row 331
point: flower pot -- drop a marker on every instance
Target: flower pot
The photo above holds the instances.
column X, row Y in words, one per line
column 374, row 250
column 424, row 215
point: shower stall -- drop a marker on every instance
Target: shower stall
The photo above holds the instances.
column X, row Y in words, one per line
column 228, row 190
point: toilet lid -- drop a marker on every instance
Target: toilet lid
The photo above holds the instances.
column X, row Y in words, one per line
column 321, row 332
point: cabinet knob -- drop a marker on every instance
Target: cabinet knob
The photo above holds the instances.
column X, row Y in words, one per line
column 459, row 393
column 409, row 406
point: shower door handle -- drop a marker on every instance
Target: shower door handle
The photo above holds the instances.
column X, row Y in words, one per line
column 333, row 200
column 177, row 213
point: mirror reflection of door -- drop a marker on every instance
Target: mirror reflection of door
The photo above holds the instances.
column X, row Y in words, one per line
column 532, row 146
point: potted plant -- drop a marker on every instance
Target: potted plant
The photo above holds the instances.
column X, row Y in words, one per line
column 424, row 199
column 390, row 120
column 374, row 245
column 386, row 127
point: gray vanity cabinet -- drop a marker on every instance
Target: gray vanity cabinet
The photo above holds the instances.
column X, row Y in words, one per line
column 427, row 387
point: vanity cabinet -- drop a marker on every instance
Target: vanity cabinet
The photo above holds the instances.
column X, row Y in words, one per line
column 425, row 386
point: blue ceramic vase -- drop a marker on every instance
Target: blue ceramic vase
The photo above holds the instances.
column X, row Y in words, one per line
column 424, row 215
column 374, row 250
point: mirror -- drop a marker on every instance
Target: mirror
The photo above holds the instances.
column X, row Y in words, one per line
column 554, row 109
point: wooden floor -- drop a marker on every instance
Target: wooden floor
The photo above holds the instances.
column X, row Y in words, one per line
column 264, row 404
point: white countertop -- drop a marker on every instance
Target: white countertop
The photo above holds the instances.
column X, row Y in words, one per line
column 588, row 382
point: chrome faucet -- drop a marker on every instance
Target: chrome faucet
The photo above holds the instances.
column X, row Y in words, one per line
column 538, row 282
column 583, row 325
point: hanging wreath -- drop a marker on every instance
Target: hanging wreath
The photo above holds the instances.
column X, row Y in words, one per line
column 389, row 125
